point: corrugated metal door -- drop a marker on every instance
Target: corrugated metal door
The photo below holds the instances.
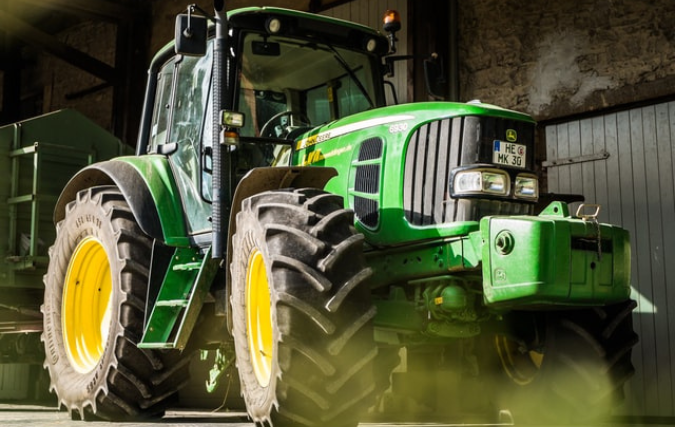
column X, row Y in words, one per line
column 624, row 161
column 370, row 13
column 15, row 380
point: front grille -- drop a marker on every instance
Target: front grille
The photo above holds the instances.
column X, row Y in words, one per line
column 435, row 149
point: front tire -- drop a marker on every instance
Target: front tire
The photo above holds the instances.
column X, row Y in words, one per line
column 577, row 372
column 302, row 311
column 93, row 311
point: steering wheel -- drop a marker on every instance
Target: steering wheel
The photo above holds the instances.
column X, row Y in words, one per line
column 302, row 117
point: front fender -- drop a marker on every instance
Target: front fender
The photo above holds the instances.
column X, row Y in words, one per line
column 148, row 186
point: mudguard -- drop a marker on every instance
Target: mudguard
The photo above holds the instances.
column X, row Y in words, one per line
column 148, row 186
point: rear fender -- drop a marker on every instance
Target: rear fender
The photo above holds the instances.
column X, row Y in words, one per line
column 147, row 185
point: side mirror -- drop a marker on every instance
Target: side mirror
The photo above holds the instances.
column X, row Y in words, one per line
column 191, row 33
column 434, row 77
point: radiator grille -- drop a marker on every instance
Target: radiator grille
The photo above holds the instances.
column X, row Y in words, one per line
column 367, row 179
column 433, row 151
column 370, row 149
column 366, row 211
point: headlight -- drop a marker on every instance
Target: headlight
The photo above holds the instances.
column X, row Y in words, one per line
column 527, row 187
column 481, row 181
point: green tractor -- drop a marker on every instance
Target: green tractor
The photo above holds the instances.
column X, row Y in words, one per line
column 278, row 212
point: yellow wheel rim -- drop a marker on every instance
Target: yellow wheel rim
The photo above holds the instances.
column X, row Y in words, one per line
column 259, row 318
column 521, row 366
column 85, row 311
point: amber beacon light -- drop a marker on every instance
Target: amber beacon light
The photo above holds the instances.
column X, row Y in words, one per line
column 392, row 23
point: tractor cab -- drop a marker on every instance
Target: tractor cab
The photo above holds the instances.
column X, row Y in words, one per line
column 286, row 73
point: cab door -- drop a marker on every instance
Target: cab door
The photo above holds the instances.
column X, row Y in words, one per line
column 178, row 131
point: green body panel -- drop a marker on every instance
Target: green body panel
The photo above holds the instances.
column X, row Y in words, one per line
column 157, row 175
column 553, row 260
column 429, row 258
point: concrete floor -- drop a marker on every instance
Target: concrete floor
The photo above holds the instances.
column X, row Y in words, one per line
column 45, row 416
column 12, row 415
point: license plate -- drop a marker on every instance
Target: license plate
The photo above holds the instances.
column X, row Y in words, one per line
column 509, row 154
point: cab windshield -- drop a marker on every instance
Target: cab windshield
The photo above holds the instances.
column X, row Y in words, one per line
column 287, row 86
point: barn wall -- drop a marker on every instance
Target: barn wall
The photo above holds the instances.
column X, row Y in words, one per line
column 635, row 185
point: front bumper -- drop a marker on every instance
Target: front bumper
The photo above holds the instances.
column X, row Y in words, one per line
column 553, row 259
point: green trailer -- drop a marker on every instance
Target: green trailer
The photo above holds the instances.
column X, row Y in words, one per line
column 37, row 156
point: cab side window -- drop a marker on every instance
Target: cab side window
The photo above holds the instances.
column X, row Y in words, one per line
column 193, row 76
column 162, row 109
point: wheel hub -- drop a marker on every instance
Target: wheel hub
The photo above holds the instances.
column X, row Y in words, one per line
column 522, row 366
column 259, row 318
column 86, row 306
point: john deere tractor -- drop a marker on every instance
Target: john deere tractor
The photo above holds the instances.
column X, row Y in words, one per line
column 277, row 211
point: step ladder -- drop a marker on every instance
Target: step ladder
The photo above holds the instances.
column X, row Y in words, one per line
column 179, row 300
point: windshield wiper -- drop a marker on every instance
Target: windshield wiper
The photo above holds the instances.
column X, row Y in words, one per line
column 351, row 74
column 345, row 66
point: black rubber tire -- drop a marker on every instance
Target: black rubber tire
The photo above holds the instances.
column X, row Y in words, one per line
column 323, row 357
column 125, row 382
column 586, row 363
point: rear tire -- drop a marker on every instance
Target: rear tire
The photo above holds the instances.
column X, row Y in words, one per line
column 579, row 372
column 302, row 311
column 94, row 304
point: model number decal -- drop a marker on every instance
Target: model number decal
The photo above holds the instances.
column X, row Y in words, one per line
column 398, row 127
column 322, row 137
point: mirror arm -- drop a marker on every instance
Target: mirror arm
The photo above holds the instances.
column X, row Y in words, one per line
column 187, row 32
column 195, row 7
column 390, row 60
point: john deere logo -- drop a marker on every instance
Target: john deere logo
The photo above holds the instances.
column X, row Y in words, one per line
column 511, row 135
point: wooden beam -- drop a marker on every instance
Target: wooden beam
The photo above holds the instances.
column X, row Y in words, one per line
column 111, row 11
column 317, row 6
column 48, row 43
column 10, row 60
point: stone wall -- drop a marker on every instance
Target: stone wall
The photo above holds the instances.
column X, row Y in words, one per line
column 555, row 59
